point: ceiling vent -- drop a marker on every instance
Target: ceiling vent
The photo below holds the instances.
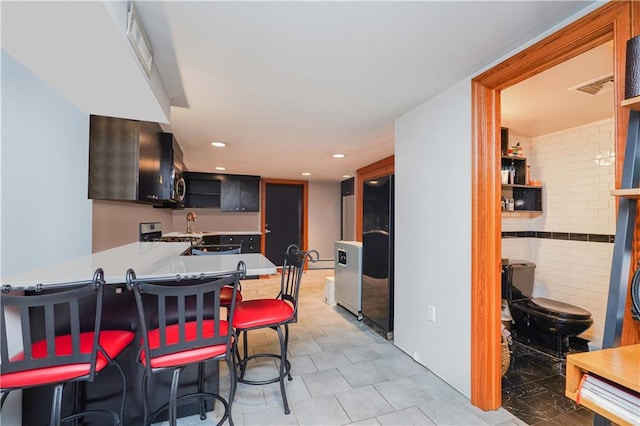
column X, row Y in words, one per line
column 139, row 41
column 601, row 84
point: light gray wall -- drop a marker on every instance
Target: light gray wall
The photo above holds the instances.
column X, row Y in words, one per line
column 433, row 228
column 45, row 154
column 46, row 216
column 324, row 217
column 433, row 234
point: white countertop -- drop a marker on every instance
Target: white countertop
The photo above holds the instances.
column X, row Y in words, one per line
column 207, row 233
column 153, row 259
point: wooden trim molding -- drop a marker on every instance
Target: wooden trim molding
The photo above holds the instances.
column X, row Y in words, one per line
column 609, row 22
column 485, row 248
column 305, row 209
column 383, row 167
column 630, row 327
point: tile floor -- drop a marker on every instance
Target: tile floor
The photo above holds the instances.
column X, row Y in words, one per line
column 533, row 390
column 344, row 374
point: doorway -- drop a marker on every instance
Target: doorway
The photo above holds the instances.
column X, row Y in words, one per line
column 612, row 21
column 283, row 217
column 550, row 116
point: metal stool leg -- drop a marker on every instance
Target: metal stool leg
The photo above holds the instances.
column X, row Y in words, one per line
column 283, row 369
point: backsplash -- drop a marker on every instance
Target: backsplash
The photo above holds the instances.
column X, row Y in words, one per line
column 571, row 243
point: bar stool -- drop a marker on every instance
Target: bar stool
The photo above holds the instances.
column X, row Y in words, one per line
column 276, row 314
column 59, row 344
column 226, row 293
column 181, row 325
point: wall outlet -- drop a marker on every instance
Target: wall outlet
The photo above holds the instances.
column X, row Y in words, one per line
column 431, row 313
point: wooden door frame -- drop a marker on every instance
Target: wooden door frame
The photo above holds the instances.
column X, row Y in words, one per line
column 384, row 167
column 304, row 186
column 613, row 21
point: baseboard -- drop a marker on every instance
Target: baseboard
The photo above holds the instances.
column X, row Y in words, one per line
column 322, row 264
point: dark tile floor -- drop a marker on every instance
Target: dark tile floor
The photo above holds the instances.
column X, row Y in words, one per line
column 533, row 390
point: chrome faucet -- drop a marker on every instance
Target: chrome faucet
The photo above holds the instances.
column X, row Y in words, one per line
column 191, row 219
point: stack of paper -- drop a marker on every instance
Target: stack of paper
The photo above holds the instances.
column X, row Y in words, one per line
column 624, row 403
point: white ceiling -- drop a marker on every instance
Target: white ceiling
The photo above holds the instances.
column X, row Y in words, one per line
column 545, row 104
column 285, row 84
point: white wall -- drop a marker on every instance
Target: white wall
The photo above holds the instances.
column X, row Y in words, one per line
column 433, row 234
column 45, row 155
column 324, row 218
column 45, row 209
column 577, row 169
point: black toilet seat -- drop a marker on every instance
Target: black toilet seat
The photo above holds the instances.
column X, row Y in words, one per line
column 560, row 309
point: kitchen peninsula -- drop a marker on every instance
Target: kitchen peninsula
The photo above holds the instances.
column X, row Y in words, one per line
column 148, row 260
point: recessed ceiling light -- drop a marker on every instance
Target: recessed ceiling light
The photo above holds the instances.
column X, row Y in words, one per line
column 218, row 144
column 346, row 176
column 221, row 168
column 339, row 155
column 306, row 174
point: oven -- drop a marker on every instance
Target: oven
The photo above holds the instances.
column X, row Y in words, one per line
column 150, row 231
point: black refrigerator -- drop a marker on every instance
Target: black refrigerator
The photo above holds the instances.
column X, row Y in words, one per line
column 377, row 255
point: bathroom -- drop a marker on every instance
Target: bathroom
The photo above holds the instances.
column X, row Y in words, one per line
column 566, row 131
column 571, row 242
column 567, row 136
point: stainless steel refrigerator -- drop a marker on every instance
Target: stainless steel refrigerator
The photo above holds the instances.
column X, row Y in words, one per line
column 377, row 254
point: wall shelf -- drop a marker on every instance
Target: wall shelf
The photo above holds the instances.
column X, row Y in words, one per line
column 632, row 103
column 527, row 198
column 633, row 193
column 521, row 213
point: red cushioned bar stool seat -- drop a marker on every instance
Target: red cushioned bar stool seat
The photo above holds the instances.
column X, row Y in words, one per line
column 180, row 324
column 74, row 348
column 275, row 314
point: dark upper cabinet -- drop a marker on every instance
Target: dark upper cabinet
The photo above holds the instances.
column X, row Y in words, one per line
column 150, row 178
column 203, row 190
column 347, row 187
column 240, row 194
column 172, row 171
column 125, row 158
column 229, row 193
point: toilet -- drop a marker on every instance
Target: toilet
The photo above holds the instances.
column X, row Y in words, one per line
column 544, row 323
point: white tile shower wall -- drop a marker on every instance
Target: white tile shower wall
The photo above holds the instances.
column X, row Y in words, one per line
column 516, row 248
column 576, row 167
column 574, row 272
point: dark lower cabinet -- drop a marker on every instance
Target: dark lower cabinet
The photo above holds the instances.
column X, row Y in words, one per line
column 249, row 243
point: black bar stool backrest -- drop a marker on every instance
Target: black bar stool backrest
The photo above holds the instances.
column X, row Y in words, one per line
column 292, row 271
column 49, row 312
column 169, row 304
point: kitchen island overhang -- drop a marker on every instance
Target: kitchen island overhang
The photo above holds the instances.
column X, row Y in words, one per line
column 147, row 259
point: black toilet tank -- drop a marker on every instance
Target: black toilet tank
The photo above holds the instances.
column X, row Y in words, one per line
column 523, row 274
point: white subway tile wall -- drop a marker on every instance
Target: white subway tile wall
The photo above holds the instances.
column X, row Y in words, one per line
column 577, row 170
